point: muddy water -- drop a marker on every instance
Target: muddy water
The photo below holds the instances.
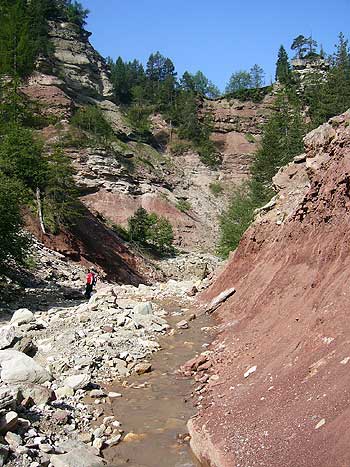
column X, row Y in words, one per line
column 156, row 406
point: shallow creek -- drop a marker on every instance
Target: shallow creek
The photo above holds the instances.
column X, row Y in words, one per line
column 156, row 406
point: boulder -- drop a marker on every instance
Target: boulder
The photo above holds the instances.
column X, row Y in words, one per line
column 193, row 364
column 80, row 457
column 13, row 440
column 26, row 345
column 77, row 381
column 145, row 308
column 61, row 417
column 7, row 336
column 16, row 368
column 40, row 395
column 114, row 395
column 182, row 324
column 64, row 391
column 113, row 441
column 22, row 316
column 8, row 422
column 8, row 397
column 142, row 368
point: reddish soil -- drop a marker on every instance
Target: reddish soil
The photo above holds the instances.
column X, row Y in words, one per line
column 119, row 207
column 89, row 241
column 290, row 319
column 52, row 100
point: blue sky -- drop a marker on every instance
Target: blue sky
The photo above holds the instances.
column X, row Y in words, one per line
column 216, row 37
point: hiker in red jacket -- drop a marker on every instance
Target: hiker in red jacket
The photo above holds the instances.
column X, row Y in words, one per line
column 91, row 280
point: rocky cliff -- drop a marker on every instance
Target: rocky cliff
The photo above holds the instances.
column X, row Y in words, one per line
column 237, row 128
column 278, row 393
column 117, row 179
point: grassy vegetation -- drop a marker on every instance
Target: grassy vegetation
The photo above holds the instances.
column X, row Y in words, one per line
column 180, row 147
column 183, row 205
column 255, row 95
column 250, row 138
column 216, row 188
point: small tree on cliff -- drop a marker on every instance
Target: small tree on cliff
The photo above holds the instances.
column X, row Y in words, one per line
column 283, row 70
column 76, row 13
column 300, row 45
column 160, row 233
column 239, row 81
column 257, row 76
column 149, row 229
column 138, row 225
column 61, row 206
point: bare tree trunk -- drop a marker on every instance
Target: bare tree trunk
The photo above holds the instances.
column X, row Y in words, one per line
column 171, row 132
column 40, row 212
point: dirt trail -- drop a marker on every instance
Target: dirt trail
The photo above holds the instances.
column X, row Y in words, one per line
column 156, row 406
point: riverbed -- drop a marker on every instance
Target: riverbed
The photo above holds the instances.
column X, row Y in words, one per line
column 156, row 406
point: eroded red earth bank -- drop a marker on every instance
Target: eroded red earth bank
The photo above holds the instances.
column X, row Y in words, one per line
column 290, row 317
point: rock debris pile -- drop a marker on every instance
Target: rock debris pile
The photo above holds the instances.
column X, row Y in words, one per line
column 53, row 365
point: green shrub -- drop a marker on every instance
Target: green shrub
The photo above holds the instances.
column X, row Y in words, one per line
column 21, row 157
column 178, row 148
column 235, row 220
column 138, row 117
column 92, row 120
column 151, row 230
column 250, row 138
column 183, row 205
column 75, row 138
column 255, row 94
column 208, row 154
column 160, row 233
column 216, row 188
column 121, row 231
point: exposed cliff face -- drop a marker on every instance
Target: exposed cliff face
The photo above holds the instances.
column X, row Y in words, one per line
column 90, row 242
column 75, row 60
column 117, row 180
column 288, row 322
column 237, row 131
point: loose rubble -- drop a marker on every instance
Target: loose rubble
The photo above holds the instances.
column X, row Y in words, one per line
column 53, row 363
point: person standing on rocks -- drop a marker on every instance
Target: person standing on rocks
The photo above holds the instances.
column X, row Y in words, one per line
column 91, row 279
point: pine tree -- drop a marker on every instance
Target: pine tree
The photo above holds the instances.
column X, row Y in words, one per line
column 17, row 45
column 187, row 82
column 341, row 58
column 61, row 207
column 329, row 96
column 14, row 243
column 76, row 13
column 257, row 76
column 300, row 45
column 161, row 80
column 138, row 225
column 21, row 157
column 283, row 70
column 282, row 140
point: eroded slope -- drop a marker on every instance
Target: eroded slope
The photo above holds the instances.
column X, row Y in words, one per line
column 289, row 319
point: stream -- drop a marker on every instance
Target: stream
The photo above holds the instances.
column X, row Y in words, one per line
column 156, row 406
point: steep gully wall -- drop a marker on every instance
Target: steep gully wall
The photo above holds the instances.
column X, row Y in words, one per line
column 77, row 75
column 289, row 318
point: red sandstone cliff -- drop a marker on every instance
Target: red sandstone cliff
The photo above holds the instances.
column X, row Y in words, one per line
column 289, row 318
